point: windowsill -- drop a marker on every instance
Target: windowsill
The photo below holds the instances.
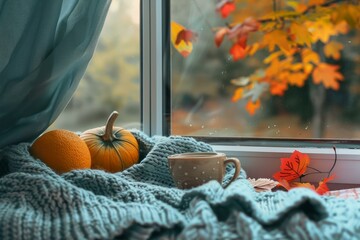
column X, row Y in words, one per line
column 263, row 162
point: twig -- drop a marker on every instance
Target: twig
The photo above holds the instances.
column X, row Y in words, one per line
column 326, row 4
column 334, row 161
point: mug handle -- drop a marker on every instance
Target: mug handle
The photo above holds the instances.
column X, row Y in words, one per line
column 237, row 164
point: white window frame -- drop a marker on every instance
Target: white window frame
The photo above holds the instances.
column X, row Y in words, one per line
column 258, row 161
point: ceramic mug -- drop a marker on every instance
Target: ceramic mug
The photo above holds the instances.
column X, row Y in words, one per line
column 196, row 168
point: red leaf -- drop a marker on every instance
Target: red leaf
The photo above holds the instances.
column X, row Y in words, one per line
column 323, row 188
column 225, row 8
column 186, row 36
column 237, row 51
column 293, row 167
column 242, row 41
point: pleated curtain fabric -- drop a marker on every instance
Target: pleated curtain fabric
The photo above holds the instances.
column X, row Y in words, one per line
column 45, row 47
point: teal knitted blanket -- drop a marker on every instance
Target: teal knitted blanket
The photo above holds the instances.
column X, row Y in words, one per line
column 143, row 203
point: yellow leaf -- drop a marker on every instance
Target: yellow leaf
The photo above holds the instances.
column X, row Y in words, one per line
column 293, row 4
column 277, row 38
column 184, row 48
column 348, row 13
column 300, row 34
column 298, row 79
column 297, row 67
column 342, row 27
column 332, row 49
column 308, row 67
column 268, row 26
column 328, row 75
column 301, row 8
column 237, row 94
column 272, row 57
column 309, row 56
column 322, row 30
column 253, row 48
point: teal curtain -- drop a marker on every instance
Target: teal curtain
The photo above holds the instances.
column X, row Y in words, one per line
column 45, row 46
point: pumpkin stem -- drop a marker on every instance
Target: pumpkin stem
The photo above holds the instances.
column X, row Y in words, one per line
column 108, row 135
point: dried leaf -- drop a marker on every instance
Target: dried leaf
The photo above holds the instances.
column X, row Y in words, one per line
column 262, row 184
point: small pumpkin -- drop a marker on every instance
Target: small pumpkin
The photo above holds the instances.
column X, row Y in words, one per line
column 112, row 149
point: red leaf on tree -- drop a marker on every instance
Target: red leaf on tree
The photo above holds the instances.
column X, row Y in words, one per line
column 186, row 36
column 225, row 8
column 237, row 51
column 293, row 167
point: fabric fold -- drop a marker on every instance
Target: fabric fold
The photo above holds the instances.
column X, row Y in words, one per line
column 142, row 202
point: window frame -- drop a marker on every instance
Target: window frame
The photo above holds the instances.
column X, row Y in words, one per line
column 258, row 160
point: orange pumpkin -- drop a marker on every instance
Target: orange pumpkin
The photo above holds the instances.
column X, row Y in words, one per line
column 112, row 149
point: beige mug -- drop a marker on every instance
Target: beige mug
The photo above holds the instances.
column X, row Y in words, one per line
column 196, row 168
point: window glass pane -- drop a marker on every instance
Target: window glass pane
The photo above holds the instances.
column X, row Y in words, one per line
column 112, row 79
column 283, row 69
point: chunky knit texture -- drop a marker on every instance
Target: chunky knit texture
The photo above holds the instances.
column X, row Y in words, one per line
column 142, row 203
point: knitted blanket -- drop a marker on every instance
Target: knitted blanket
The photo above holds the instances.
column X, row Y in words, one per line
column 143, row 203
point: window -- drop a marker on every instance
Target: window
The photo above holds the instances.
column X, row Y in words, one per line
column 159, row 91
column 212, row 91
column 305, row 100
column 112, row 79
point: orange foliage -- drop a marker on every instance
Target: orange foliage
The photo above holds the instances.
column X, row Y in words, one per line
column 251, row 106
column 294, row 168
column 288, row 30
column 328, row 75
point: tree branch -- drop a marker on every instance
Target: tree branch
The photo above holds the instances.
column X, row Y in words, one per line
column 326, row 4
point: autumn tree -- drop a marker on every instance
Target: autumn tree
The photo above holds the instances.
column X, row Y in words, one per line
column 300, row 41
